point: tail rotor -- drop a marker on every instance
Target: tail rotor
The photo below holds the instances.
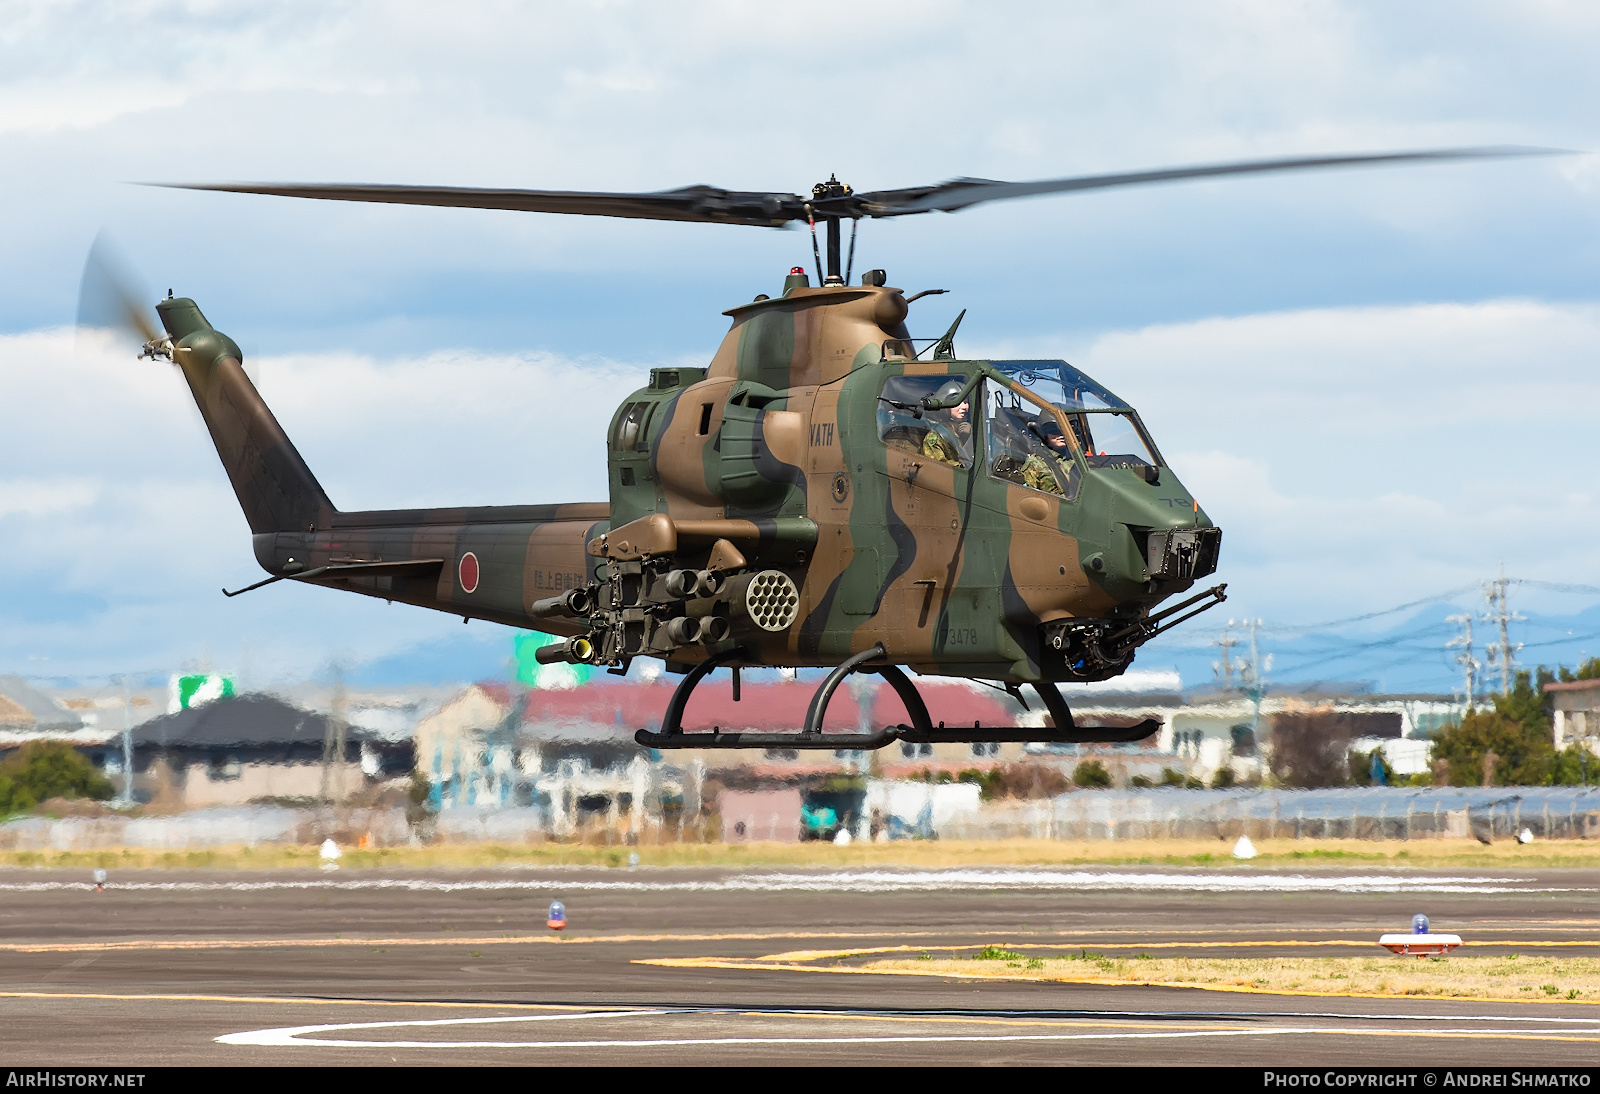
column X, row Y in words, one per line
column 112, row 298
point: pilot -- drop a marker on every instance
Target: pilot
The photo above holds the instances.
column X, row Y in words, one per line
column 949, row 436
column 1035, row 471
column 1080, row 430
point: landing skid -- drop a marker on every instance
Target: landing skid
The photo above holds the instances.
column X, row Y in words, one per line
column 920, row 731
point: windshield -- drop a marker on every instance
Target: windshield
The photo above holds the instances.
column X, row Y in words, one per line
column 1026, row 445
column 943, row 435
column 1106, row 428
column 1059, row 383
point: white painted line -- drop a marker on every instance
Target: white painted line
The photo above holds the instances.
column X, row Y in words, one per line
column 288, row 1035
column 299, row 1036
column 867, row 881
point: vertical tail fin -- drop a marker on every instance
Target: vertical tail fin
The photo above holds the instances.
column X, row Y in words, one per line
column 276, row 490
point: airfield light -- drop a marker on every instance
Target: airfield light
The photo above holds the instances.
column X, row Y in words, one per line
column 1421, row 942
column 99, row 881
column 557, row 920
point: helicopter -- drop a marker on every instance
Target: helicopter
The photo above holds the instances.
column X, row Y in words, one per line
column 828, row 492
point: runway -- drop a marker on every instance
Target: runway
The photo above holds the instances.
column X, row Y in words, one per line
column 687, row 966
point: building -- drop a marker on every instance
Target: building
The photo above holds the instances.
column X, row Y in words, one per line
column 1575, row 713
column 28, row 714
column 1204, row 732
column 253, row 748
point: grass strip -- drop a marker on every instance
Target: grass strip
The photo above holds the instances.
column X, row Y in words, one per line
column 925, row 854
column 1514, row 976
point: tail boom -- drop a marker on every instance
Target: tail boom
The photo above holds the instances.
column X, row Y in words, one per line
column 485, row 562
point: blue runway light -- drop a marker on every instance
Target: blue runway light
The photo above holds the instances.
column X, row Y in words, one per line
column 1421, row 942
column 557, row 920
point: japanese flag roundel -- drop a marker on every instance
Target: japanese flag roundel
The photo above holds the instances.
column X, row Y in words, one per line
column 467, row 572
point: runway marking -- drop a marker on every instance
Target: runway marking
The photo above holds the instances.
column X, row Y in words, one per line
column 772, row 963
column 1060, row 942
column 497, row 940
column 1363, row 943
column 283, row 1000
column 869, row 881
column 301, row 1036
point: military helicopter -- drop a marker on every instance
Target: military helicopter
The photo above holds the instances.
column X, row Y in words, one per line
column 828, row 492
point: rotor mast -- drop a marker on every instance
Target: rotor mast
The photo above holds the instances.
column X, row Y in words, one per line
column 824, row 195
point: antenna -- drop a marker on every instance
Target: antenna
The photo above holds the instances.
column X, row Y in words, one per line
column 1469, row 664
column 1254, row 674
column 1254, row 670
column 1225, row 666
column 1500, row 614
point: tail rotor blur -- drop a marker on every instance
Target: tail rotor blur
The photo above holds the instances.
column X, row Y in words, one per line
column 111, row 298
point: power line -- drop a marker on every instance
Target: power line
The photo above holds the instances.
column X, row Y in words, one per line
column 1554, row 586
column 1448, row 594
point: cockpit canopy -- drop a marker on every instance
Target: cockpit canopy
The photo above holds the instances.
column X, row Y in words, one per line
column 1107, row 430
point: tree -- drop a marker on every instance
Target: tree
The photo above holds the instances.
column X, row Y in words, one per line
column 1368, row 768
column 47, row 769
column 1020, row 781
column 1575, row 766
column 1092, row 774
column 1589, row 670
column 1309, row 748
column 1517, row 731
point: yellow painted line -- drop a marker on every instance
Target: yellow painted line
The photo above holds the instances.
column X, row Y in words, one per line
column 297, row 1001
column 1087, row 1023
column 816, row 955
column 113, row 945
column 1159, row 946
column 499, row 940
column 108, row 946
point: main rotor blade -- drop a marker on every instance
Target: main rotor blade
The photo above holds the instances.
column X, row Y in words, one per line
column 705, row 204
column 713, row 205
column 948, row 197
column 109, row 297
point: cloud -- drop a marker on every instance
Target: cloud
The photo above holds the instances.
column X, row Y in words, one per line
column 39, row 497
column 1365, row 456
column 1355, row 445
column 1355, row 458
column 118, row 526
column 602, row 96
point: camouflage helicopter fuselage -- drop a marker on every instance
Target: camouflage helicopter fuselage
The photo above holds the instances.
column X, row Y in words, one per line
column 820, row 495
column 776, row 508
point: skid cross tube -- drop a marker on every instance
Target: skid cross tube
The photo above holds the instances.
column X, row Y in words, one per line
column 921, row 731
column 903, row 687
column 819, row 701
column 672, row 721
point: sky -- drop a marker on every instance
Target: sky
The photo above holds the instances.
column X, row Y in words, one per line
column 1380, row 383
